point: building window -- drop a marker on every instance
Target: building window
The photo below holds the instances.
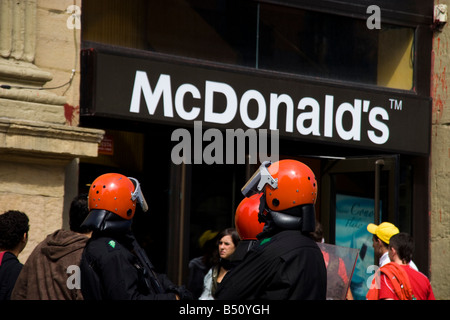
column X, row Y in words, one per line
column 334, row 47
column 258, row 35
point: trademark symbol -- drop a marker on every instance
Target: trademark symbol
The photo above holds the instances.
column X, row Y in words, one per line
column 396, row 104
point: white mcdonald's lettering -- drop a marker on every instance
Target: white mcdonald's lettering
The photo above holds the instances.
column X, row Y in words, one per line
column 141, row 84
column 308, row 121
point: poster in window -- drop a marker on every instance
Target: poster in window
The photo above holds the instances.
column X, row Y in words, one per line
column 353, row 214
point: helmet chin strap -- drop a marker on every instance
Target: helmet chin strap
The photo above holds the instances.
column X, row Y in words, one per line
column 103, row 220
column 286, row 221
column 262, row 207
column 301, row 218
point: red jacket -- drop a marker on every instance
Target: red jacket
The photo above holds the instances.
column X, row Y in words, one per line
column 400, row 282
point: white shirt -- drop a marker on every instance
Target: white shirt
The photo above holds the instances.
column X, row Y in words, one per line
column 385, row 259
column 207, row 283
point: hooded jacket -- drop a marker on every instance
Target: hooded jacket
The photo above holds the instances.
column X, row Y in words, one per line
column 45, row 275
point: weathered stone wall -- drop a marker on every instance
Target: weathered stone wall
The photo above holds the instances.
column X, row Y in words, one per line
column 58, row 50
column 37, row 190
column 440, row 164
column 39, row 139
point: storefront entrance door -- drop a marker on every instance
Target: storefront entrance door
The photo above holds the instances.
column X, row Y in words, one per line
column 203, row 200
column 357, row 191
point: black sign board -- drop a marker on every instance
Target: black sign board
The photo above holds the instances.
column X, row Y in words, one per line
column 156, row 88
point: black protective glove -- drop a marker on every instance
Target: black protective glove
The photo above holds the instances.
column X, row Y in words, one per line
column 181, row 291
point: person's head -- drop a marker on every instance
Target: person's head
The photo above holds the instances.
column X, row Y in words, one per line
column 401, row 248
column 206, row 237
column 381, row 235
column 208, row 245
column 289, row 189
column 112, row 201
column 14, row 227
column 78, row 212
column 317, row 235
column 228, row 240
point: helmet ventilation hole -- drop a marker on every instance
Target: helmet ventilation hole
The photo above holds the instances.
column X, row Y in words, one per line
column 129, row 212
column 276, row 202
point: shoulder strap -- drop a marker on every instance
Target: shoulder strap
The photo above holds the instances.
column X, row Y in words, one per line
column 399, row 279
column 148, row 266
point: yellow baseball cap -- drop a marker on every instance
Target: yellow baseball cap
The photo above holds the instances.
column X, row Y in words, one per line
column 384, row 231
column 206, row 236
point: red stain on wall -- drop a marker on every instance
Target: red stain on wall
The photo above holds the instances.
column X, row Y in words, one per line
column 71, row 113
column 438, row 81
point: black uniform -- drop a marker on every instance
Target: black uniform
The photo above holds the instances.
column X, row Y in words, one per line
column 287, row 265
column 109, row 270
column 10, row 268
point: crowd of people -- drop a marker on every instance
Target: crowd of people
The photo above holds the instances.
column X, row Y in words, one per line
column 271, row 253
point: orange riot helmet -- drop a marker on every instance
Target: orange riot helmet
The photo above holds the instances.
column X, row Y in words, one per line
column 297, row 185
column 289, row 188
column 246, row 218
column 116, row 193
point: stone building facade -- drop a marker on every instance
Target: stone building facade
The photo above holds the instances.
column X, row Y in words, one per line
column 439, row 170
column 40, row 143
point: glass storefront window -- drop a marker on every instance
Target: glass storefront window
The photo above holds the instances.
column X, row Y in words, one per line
column 218, row 31
column 334, row 47
column 262, row 36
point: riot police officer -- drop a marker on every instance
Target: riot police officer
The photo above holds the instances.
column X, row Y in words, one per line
column 285, row 263
column 113, row 265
